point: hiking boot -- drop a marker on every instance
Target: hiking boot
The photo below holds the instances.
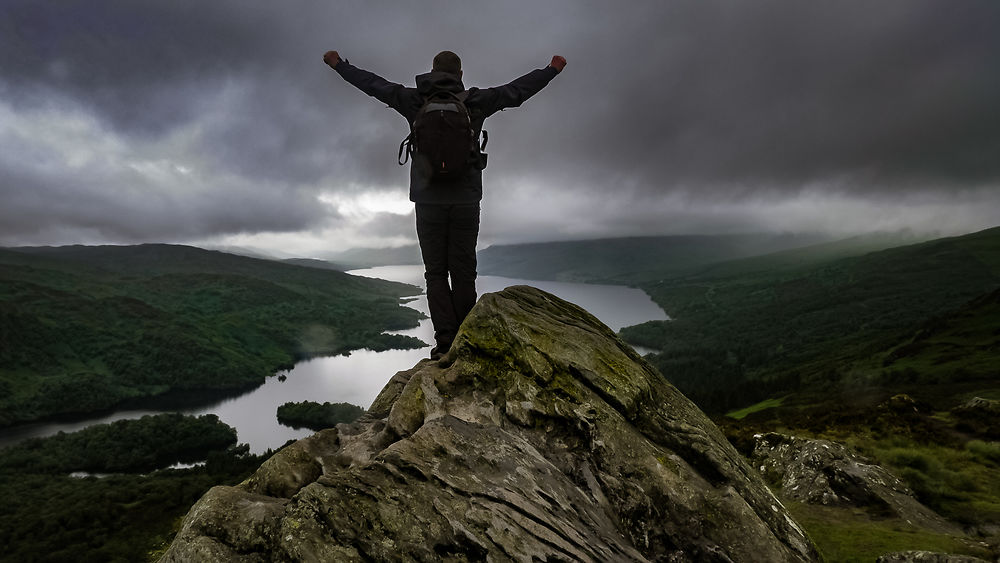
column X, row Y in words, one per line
column 437, row 352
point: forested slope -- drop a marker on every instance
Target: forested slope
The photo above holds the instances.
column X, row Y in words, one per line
column 83, row 328
column 746, row 330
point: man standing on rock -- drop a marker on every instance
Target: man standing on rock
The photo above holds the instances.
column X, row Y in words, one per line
column 446, row 189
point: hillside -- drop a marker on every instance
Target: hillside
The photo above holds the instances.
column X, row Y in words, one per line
column 924, row 407
column 84, row 328
column 961, row 346
column 745, row 331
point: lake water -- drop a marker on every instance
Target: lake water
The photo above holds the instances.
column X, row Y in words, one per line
column 358, row 377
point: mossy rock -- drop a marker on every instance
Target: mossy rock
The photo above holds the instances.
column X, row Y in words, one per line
column 540, row 436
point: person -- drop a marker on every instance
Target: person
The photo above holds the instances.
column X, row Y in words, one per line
column 447, row 212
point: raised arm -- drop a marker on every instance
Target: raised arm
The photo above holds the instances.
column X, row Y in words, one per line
column 389, row 93
column 513, row 94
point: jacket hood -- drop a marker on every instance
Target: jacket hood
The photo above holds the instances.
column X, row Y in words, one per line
column 436, row 81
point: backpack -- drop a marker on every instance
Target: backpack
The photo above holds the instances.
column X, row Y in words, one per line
column 442, row 131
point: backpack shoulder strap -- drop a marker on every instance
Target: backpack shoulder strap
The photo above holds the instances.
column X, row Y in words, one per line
column 405, row 149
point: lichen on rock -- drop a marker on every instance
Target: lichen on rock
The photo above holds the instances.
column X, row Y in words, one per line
column 540, row 436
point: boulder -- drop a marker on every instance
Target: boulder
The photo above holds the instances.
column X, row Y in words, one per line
column 926, row 557
column 541, row 436
column 978, row 416
column 824, row 472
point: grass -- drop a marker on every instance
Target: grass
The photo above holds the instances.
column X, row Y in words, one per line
column 952, row 469
column 957, row 477
column 961, row 483
column 846, row 535
column 765, row 404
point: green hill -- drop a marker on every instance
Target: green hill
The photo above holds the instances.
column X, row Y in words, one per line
column 84, row 328
column 748, row 331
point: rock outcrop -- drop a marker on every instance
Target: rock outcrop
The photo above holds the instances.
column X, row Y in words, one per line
column 978, row 416
column 540, row 437
column 828, row 473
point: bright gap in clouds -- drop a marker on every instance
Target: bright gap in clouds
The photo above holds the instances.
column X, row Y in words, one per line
column 361, row 205
column 528, row 213
column 356, row 219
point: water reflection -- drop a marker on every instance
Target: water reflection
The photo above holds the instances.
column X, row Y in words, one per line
column 615, row 305
column 355, row 379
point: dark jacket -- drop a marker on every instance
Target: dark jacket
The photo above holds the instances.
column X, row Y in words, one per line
column 482, row 103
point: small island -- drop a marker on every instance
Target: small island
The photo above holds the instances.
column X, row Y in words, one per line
column 125, row 446
column 317, row 416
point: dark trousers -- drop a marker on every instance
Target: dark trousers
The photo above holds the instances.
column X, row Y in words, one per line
column 447, row 235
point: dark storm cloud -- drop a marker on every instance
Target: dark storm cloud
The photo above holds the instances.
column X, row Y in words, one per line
column 689, row 103
column 732, row 97
column 99, row 203
column 137, row 64
column 391, row 225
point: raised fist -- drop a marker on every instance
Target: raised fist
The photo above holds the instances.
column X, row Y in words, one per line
column 332, row 58
column 558, row 63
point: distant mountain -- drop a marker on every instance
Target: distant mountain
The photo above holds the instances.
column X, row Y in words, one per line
column 249, row 252
column 83, row 328
column 313, row 263
column 629, row 260
column 357, row 258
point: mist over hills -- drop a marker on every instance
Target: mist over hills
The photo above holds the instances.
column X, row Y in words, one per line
column 642, row 259
column 313, row 263
column 623, row 260
column 357, row 258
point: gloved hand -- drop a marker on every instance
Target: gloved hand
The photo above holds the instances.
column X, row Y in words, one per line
column 332, row 58
column 557, row 63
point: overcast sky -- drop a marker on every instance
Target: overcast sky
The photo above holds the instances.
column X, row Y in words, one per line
column 217, row 123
